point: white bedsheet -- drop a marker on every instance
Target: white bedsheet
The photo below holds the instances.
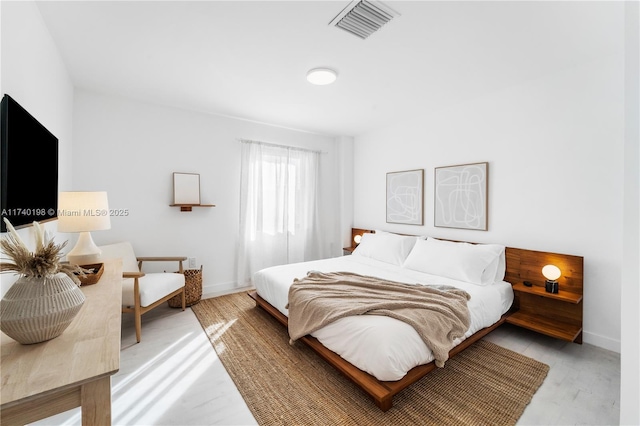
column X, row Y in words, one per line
column 382, row 346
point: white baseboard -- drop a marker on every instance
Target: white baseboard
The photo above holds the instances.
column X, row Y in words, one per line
column 601, row 341
column 220, row 289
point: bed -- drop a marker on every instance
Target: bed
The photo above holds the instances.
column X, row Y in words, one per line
column 380, row 353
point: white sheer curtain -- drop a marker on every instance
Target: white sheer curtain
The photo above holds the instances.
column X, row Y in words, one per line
column 278, row 207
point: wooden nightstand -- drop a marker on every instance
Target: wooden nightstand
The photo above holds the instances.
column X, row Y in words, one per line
column 556, row 315
column 347, row 250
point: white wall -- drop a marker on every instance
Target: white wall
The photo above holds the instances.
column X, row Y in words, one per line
column 130, row 149
column 554, row 145
column 345, row 144
column 630, row 368
column 555, row 153
column 35, row 76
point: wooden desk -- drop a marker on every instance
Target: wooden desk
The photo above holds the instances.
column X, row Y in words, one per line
column 71, row 370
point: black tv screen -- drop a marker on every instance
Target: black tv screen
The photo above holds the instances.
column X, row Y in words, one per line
column 29, row 167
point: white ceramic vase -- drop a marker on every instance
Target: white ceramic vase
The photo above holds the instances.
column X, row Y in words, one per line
column 38, row 309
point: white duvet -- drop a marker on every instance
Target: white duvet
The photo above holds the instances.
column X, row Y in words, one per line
column 382, row 346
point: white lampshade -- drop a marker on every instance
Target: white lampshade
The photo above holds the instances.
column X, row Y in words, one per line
column 83, row 212
column 321, row 76
column 551, row 272
column 357, row 238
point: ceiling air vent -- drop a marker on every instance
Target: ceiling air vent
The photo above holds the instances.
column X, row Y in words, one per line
column 363, row 18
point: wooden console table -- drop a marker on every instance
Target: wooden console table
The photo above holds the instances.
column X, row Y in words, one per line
column 71, row 370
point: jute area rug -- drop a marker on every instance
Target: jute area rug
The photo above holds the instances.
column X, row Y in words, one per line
column 291, row 385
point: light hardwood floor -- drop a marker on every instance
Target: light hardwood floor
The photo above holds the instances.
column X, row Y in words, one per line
column 174, row 377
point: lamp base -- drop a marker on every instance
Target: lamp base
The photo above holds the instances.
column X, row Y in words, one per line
column 85, row 259
column 551, row 286
column 85, row 251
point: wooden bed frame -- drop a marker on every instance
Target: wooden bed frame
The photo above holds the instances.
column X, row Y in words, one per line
column 521, row 265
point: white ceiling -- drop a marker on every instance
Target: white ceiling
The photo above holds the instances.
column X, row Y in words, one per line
column 249, row 59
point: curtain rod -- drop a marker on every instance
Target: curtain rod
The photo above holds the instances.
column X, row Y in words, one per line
column 282, row 146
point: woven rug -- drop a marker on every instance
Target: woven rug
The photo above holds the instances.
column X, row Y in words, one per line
column 291, row 385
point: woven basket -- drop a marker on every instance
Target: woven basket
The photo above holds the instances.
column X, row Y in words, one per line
column 94, row 277
column 192, row 289
column 38, row 309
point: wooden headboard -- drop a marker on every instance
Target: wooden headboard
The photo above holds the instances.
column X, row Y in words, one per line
column 357, row 231
column 526, row 265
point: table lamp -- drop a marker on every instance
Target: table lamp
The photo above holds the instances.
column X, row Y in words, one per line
column 83, row 212
column 551, row 273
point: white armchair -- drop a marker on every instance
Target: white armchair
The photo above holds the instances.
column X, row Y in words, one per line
column 142, row 292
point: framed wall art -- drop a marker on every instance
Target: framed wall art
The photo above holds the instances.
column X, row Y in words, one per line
column 186, row 188
column 405, row 194
column 461, row 196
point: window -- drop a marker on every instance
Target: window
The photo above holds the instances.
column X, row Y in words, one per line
column 278, row 207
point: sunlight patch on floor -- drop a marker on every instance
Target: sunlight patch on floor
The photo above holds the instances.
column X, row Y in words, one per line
column 150, row 364
column 220, row 348
column 216, row 330
column 151, row 390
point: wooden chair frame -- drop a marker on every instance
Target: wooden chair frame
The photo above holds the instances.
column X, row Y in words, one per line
column 138, row 310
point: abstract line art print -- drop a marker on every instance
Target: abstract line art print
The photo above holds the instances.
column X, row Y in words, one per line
column 461, row 196
column 405, row 193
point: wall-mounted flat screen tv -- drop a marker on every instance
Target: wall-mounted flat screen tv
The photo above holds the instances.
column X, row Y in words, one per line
column 29, row 167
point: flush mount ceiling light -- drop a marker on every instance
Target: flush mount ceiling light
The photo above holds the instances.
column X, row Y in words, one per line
column 321, row 76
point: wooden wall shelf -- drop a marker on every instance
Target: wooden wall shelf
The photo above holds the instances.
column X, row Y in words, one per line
column 565, row 296
column 545, row 325
column 555, row 314
column 188, row 207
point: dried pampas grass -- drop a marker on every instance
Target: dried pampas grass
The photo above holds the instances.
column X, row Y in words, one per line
column 45, row 261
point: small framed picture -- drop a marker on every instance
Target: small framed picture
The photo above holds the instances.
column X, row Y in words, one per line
column 186, row 188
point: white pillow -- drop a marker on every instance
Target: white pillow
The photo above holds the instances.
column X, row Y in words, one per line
column 496, row 270
column 472, row 263
column 385, row 247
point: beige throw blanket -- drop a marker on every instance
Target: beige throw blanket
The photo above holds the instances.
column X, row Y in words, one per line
column 438, row 313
